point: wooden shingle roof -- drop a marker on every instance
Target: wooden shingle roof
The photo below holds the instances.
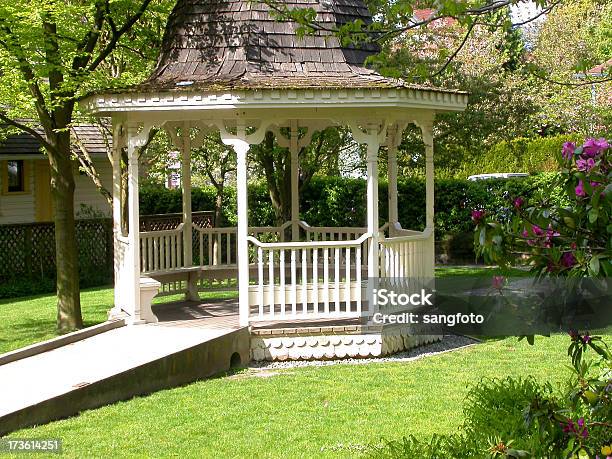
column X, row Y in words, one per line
column 90, row 136
column 224, row 44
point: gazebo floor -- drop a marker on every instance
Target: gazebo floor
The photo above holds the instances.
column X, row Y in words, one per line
column 301, row 339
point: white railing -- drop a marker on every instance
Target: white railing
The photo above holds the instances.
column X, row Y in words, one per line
column 216, row 247
column 410, row 255
column 161, row 250
column 331, row 233
column 307, row 280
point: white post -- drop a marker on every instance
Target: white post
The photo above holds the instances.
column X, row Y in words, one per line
column 373, row 144
column 427, row 133
column 192, row 286
column 295, row 171
column 132, row 286
column 392, row 190
column 118, row 261
column 241, row 147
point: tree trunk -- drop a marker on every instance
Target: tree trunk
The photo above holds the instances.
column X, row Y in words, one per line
column 62, row 191
column 219, row 205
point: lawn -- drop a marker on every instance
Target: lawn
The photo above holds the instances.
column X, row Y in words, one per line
column 307, row 412
column 330, row 411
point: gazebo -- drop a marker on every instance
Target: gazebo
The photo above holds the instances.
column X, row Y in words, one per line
column 230, row 66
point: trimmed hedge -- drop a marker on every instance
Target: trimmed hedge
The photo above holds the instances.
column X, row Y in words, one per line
column 532, row 155
column 336, row 201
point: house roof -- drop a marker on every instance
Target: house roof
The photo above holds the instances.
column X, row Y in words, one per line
column 90, row 136
column 601, row 69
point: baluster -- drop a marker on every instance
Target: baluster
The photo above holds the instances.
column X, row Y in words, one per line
column 293, row 284
column 282, row 282
column 201, row 247
column 209, row 240
column 167, row 251
column 260, row 283
column 326, row 279
column 315, row 281
column 271, row 299
column 155, row 253
column 337, row 278
column 179, row 254
column 347, row 281
column 228, row 248
column 150, row 266
column 304, row 282
column 358, row 276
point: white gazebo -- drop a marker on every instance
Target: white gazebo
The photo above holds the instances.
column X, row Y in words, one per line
column 230, row 66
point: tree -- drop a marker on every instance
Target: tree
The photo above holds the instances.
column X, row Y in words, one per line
column 274, row 163
column 51, row 53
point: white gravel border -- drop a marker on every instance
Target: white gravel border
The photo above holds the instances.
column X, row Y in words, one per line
column 447, row 344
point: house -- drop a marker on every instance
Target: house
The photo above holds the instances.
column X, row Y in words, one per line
column 25, row 190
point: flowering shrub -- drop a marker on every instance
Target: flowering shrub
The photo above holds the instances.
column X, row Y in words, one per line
column 573, row 240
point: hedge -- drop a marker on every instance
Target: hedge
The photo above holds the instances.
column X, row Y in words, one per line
column 532, row 155
column 336, row 201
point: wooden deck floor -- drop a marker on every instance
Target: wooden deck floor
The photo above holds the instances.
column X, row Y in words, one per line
column 217, row 314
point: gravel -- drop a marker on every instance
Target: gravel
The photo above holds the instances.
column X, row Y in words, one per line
column 448, row 343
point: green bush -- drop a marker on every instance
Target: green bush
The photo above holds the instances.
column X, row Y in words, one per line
column 532, row 155
column 494, row 415
column 337, row 201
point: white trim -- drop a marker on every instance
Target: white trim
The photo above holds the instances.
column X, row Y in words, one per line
column 274, row 99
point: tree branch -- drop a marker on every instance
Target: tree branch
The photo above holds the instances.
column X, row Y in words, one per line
column 89, row 168
column 117, row 34
column 459, row 48
column 28, row 130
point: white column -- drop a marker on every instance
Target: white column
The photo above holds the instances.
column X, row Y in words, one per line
column 427, row 132
column 192, row 279
column 118, row 261
column 132, row 286
column 373, row 144
column 392, row 190
column 295, row 177
column 242, row 147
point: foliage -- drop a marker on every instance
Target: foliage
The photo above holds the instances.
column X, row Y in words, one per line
column 557, row 238
column 336, row 201
column 521, row 154
column 520, row 417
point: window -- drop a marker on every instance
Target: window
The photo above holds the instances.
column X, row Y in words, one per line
column 16, row 176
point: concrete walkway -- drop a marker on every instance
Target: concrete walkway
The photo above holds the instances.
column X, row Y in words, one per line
column 119, row 364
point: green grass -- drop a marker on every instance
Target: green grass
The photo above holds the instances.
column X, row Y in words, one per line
column 26, row 321
column 307, row 412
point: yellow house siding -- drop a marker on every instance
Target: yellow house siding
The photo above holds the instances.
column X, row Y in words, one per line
column 86, row 194
column 35, row 204
column 17, row 207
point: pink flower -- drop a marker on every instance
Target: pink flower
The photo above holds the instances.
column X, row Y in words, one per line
column 585, row 164
column 592, row 147
column 568, row 259
column 568, row 150
column 498, row 282
column 580, row 189
column 550, row 233
column 518, row 202
column 477, row 215
column 537, row 230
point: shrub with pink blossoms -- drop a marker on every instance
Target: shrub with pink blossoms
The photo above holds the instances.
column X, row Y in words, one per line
column 571, row 240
